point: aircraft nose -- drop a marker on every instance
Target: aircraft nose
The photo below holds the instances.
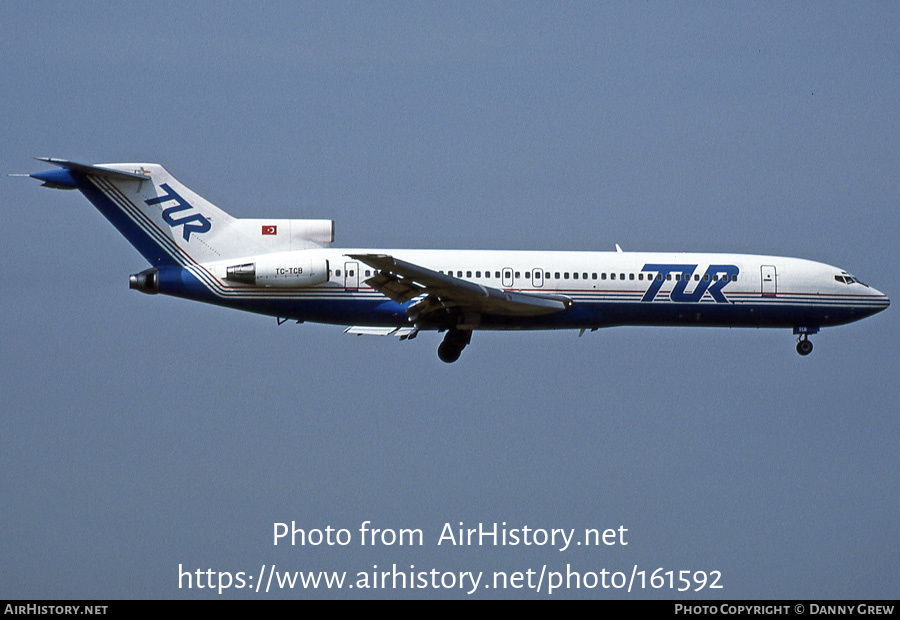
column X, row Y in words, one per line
column 880, row 300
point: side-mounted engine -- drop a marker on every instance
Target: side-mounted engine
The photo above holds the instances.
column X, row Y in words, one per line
column 287, row 270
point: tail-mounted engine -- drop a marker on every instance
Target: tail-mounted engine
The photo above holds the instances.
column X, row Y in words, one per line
column 286, row 272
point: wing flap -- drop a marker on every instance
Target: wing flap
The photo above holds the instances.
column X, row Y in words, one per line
column 363, row 330
column 395, row 289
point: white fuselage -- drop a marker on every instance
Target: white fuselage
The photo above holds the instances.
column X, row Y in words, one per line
column 606, row 288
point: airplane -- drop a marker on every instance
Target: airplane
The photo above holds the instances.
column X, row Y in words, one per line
column 286, row 268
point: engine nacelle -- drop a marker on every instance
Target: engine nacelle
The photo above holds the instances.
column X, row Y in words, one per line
column 280, row 235
column 317, row 231
column 284, row 272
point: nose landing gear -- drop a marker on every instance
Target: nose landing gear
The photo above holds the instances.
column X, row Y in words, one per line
column 804, row 346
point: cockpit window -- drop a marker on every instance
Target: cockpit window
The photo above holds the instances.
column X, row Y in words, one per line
column 846, row 278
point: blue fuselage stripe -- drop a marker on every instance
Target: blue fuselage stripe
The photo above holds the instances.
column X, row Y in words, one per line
column 341, row 307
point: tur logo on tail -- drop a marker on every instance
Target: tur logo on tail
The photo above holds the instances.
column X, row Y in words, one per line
column 194, row 223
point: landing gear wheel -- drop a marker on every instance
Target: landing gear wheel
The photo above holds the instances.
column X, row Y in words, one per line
column 449, row 353
column 454, row 343
column 804, row 347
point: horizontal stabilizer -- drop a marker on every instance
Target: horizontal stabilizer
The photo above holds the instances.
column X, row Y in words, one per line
column 97, row 171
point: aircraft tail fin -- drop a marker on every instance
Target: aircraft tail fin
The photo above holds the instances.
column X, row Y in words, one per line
column 168, row 223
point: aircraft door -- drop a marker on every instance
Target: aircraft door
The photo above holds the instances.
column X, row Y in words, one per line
column 351, row 276
column 537, row 278
column 769, row 282
column 507, row 277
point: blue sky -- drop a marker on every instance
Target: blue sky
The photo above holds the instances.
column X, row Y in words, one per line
column 141, row 433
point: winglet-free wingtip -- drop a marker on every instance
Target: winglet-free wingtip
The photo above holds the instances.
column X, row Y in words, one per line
column 618, row 249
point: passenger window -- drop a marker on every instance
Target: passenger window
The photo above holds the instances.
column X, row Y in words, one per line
column 602, row 276
column 337, row 272
column 496, row 274
column 575, row 275
column 468, row 274
column 631, row 276
column 706, row 277
column 668, row 276
column 368, row 273
column 556, row 275
column 477, row 274
column 593, row 276
column 517, row 275
column 612, row 276
column 459, row 274
column 734, row 277
column 566, row 275
column 350, row 273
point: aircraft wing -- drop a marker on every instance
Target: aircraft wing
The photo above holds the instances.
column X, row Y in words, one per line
column 402, row 281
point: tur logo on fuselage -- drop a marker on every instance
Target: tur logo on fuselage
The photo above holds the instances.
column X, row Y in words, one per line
column 193, row 223
column 713, row 281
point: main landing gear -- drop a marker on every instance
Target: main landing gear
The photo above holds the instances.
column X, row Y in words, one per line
column 454, row 342
column 804, row 346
